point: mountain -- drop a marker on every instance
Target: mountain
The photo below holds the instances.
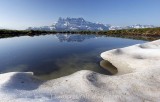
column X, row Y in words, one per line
column 136, row 26
column 72, row 24
column 79, row 24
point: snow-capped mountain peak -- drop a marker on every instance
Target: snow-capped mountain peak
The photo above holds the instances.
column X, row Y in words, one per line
column 80, row 24
column 135, row 26
column 72, row 24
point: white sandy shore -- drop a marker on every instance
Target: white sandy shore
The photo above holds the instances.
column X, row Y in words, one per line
column 138, row 80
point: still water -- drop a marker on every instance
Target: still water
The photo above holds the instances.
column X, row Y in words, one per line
column 54, row 56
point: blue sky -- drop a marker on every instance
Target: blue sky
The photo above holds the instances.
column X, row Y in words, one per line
column 20, row 14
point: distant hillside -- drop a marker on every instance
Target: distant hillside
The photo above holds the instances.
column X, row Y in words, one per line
column 145, row 33
column 135, row 32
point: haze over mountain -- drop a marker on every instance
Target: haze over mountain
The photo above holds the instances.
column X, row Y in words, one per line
column 1, row 28
column 79, row 24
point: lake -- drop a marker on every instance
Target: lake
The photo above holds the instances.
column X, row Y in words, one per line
column 56, row 55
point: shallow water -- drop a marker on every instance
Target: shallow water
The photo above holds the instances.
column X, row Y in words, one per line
column 54, row 56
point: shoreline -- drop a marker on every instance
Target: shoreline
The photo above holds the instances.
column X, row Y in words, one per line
column 137, row 80
column 148, row 34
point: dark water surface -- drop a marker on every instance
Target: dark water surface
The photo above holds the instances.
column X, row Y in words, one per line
column 53, row 56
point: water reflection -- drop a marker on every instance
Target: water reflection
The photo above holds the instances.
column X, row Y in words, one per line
column 74, row 37
column 69, row 65
column 54, row 56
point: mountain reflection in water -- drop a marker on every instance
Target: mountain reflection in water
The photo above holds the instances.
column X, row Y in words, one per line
column 54, row 56
column 75, row 37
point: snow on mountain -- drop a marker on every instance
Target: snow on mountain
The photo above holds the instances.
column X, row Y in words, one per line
column 72, row 24
column 115, row 28
column 141, row 26
column 45, row 28
column 136, row 26
column 79, row 24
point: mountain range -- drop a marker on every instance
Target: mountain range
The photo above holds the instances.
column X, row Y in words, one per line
column 79, row 24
